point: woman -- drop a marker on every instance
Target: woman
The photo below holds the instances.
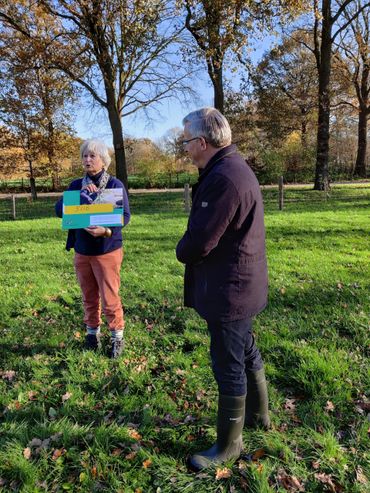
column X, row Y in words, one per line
column 98, row 250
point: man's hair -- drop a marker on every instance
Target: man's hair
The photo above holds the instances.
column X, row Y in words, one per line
column 97, row 147
column 210, row 124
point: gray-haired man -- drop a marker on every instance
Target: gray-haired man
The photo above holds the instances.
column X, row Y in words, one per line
column 223, row 250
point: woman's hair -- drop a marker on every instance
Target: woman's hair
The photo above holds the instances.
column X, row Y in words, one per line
column 210, row 124
column 99, row 148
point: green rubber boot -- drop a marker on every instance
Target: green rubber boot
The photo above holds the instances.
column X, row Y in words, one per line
column 257, row 402
column 229, row 444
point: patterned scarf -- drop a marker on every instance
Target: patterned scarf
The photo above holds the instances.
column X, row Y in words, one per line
column 101, row 186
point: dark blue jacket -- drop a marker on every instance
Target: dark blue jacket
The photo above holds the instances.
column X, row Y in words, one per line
column 223, row 248
column 81, row 240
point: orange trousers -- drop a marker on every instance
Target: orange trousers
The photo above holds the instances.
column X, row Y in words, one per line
column 99, row 279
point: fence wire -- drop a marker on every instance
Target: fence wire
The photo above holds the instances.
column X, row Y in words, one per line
column 15, row 207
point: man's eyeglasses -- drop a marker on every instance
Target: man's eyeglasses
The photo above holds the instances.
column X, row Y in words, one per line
column 184, row 142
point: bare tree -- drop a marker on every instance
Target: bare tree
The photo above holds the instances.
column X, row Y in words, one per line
column 221, row 29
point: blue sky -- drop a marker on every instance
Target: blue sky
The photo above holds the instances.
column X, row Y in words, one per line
column 167, row 115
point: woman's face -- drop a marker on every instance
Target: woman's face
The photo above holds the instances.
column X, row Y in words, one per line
column 92, row 163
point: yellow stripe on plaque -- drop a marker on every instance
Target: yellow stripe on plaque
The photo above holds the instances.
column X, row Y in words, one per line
column 88, row 208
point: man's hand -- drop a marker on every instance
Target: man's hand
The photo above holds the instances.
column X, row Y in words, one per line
column 96, row 231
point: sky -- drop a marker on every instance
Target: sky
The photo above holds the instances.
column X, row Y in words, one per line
column 167, row 115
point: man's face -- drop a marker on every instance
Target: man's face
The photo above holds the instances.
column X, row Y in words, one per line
column 194, row 146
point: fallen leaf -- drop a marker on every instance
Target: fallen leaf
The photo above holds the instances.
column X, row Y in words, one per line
column 200, row 395
column 283, row 427
column 282, row 290
column 77, row 335
column 82, row 477
column 202, row 475
column 360, row 476
column 134, row 434
column 258, row 454
column 66, row 396
column 58, row 452
column 116, row 452
column 9, row 375
column 27, row 453
column 289, row 482
column 329, row 406
column 290, row 405
column 147, row 463
column 32, row 395
column 326, row 479
column 223, row 473
column 315, row 465
column 131, row 455
column 94, row 472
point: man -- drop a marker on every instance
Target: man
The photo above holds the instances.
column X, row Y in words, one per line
column 223, row 250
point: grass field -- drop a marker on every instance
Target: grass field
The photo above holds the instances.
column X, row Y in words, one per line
column 76, row 421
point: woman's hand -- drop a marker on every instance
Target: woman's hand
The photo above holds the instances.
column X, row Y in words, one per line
column 96, row 231
column 91, row 188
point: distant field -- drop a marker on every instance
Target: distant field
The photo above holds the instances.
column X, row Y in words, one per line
column 76, row 421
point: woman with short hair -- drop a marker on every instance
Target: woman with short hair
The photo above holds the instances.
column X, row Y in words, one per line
column 98, row 250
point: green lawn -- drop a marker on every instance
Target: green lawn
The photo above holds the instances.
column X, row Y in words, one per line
column 76, row 421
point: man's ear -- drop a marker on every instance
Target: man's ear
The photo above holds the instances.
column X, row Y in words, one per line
column 203, row 143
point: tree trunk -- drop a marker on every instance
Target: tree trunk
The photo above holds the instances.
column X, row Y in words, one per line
column 322, row 156
column 303, row 129
column 54, row 166
column 118, row 143
column 32, row 181
column 218, row 88
column 360, row 166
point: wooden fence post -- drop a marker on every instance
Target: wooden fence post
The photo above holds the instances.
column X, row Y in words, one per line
column 13, row 207
column 281, row 193
column 187, row 197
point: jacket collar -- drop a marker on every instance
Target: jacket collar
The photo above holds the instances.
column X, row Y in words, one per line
column 225, row 151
